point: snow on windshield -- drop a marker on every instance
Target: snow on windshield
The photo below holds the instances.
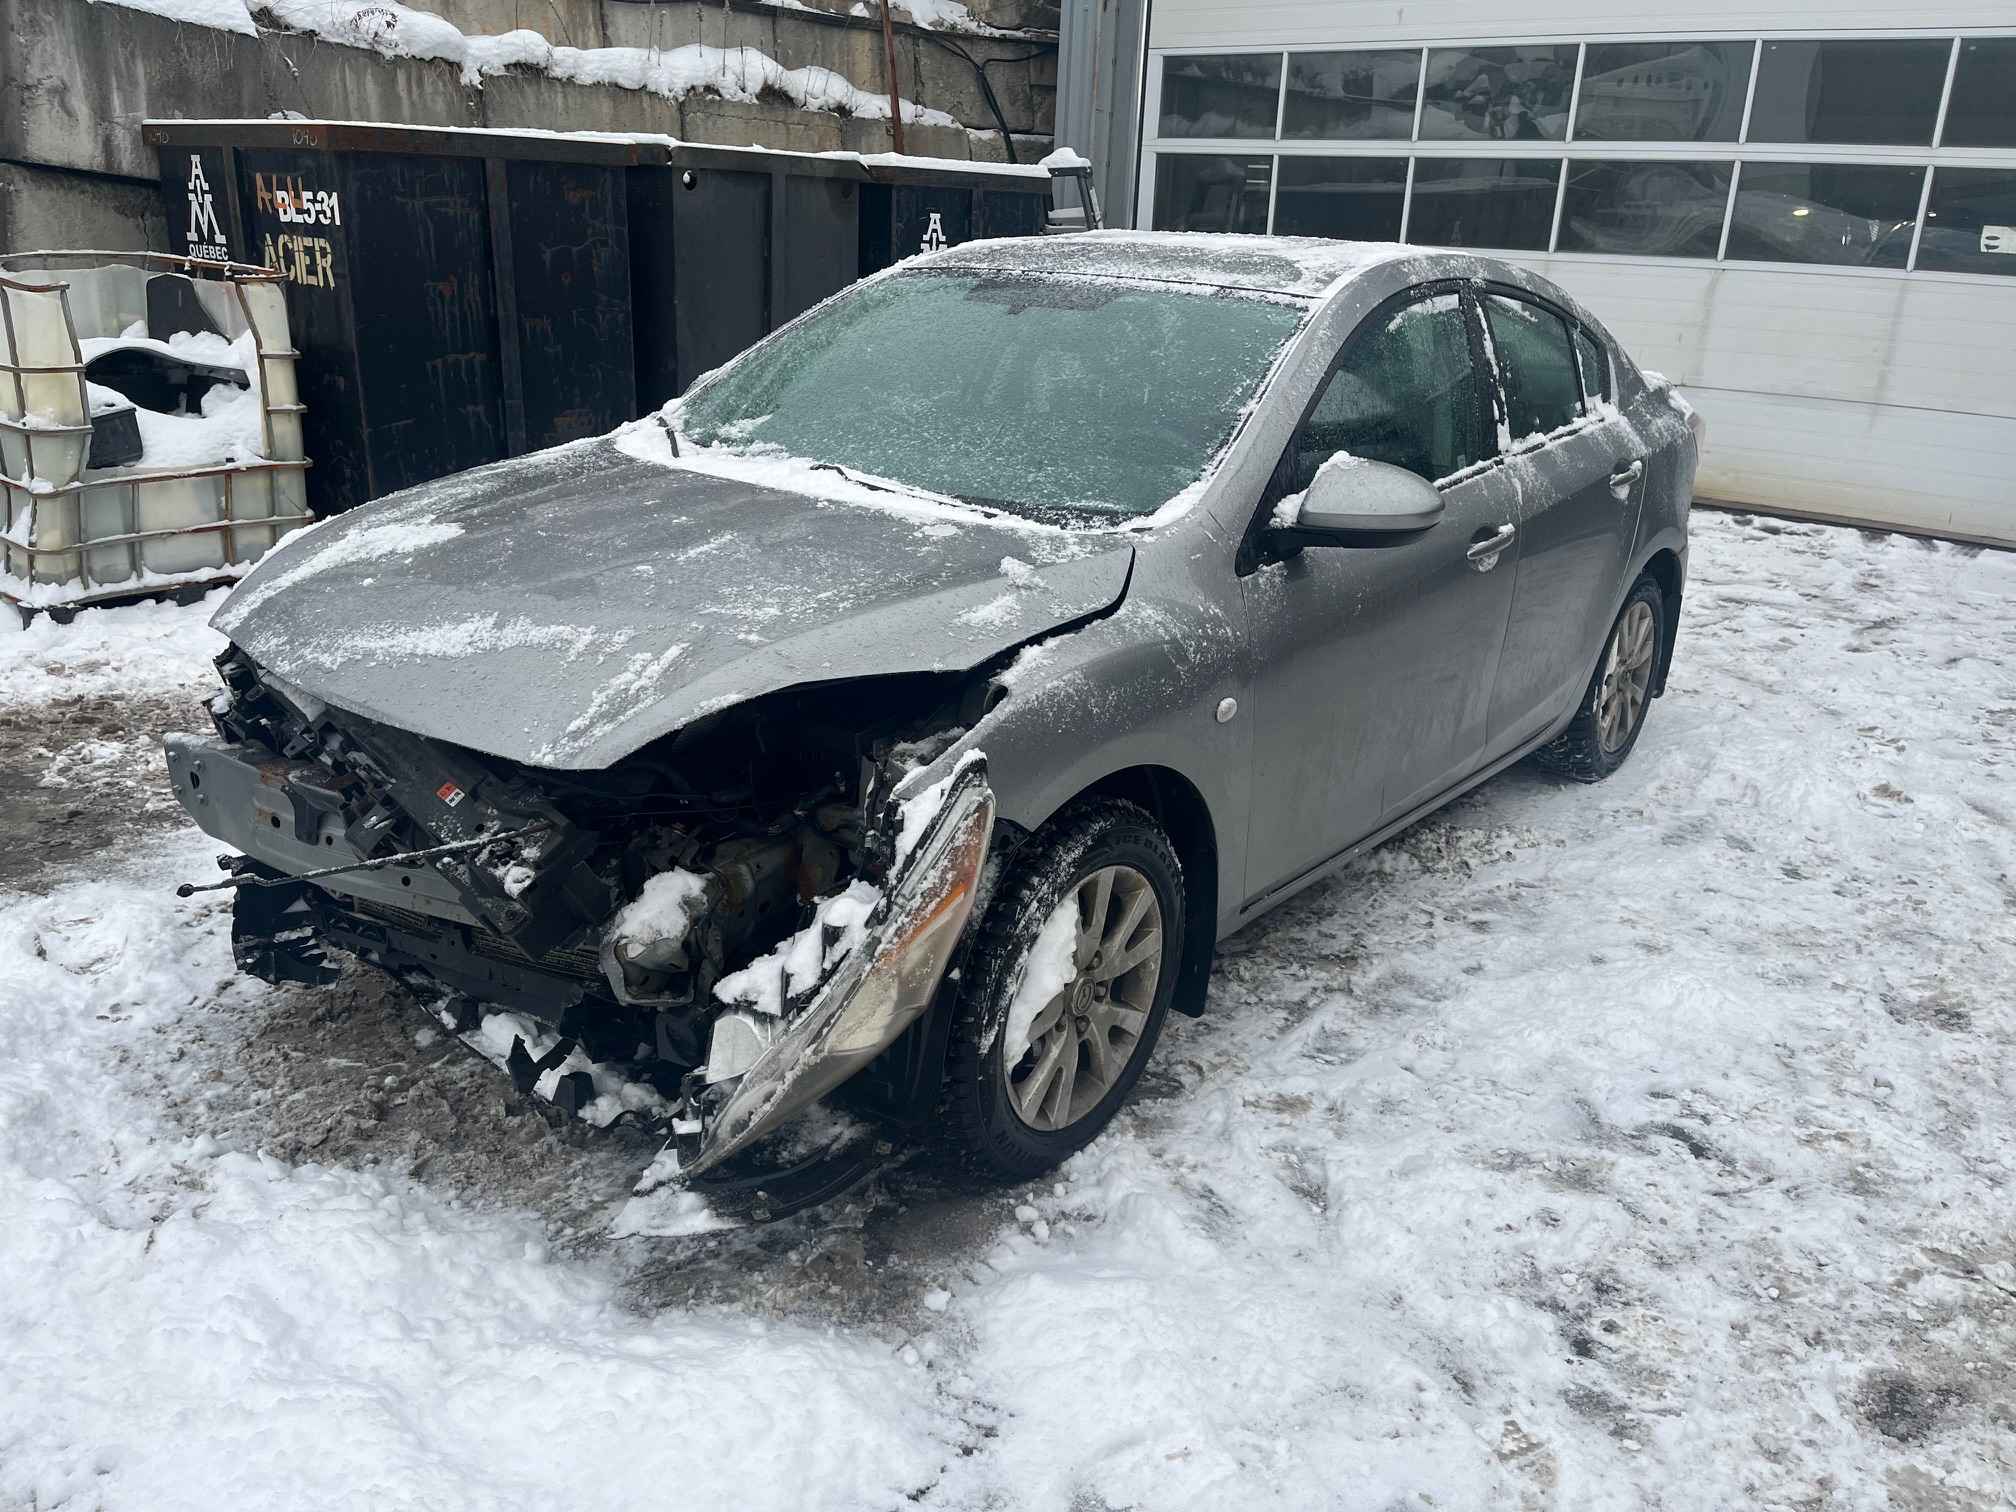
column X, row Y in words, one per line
column 1076, row 400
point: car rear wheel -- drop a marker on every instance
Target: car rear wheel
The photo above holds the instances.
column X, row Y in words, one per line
column 1064, row 994
column 1613, row 707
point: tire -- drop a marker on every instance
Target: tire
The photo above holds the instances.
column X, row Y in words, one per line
column 1007, row 1125
column 1592, row 747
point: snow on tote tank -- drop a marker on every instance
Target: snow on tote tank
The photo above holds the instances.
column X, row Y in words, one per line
column 150, row 429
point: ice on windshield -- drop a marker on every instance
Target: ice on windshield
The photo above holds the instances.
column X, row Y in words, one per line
column 1075, row 399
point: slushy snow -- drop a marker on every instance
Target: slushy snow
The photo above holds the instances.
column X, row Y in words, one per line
column 664, row 909
column 1644, row 1147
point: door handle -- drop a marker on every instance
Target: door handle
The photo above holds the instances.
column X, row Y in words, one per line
column 1620, row 482
column 1484, row 554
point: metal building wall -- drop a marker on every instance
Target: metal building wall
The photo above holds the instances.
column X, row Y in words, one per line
column 1860, row 393
column 1098, row 95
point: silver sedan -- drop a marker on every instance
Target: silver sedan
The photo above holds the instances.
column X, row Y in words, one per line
column 907, row 712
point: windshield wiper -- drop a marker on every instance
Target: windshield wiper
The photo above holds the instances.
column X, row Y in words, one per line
column 889, row 485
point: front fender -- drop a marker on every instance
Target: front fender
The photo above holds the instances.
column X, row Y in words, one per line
column 1141, row 689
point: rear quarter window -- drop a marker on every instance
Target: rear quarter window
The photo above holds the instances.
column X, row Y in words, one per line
column 1594, row 367
column 1536, row 365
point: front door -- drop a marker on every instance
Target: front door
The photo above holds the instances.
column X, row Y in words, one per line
column 1373, row 666
column 1572, row 458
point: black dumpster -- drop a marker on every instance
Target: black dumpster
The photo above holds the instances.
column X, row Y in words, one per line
column 461, row 296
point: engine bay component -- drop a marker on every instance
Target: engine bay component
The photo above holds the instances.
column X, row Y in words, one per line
column 870, row 994
column 741, row 917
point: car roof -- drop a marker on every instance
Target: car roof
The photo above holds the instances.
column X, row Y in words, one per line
column 1303, row 266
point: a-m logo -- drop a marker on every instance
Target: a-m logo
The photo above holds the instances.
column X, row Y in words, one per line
column 934, row 234
column 206, row 232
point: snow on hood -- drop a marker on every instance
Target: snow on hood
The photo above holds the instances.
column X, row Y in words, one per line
column 566, row 608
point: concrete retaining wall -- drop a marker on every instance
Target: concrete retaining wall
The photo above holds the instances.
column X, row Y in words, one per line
column 77, row 80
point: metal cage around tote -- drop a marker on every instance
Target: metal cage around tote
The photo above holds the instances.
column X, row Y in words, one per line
column 71, row 533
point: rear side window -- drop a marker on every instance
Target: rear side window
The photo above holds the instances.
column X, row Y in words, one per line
column 1595, row 371
column 1405, row 392
column 1535, row 365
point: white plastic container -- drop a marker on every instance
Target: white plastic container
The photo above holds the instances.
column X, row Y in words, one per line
column 72, row 534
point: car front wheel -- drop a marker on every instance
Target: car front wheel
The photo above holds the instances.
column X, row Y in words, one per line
column 1066, row 988
column 1613, row 707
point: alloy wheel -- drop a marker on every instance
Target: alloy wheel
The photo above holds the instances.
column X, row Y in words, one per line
column 1084, row 1037
column 1627, row 677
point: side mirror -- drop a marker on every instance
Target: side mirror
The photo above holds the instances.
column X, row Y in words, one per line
column 1354, row 501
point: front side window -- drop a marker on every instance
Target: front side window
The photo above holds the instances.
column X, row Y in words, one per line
column 1080, row 400
column 1404, row 392
column 1536, row 366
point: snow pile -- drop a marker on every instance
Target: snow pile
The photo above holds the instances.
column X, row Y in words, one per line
column 662, row 913
column 1052, row 965
column 797, row 964
column 218, row 15
column 110, row 651
column 615, row 1092
column 210, row 1326
column 1646, row 1144
column 932, row 15
column 917, row 813
column 1630, row 1146
column 398, row 31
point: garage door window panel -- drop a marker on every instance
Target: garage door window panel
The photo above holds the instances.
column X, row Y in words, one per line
column 1498, row 94
column 1230, row 95
column 1405, row 391
column 1351, row 198
column 1663, row 91
column 1212, row 192
column 1505, row 203
column 1970, row 222
column 1352, row 96
column 1846, row 214
column 1860, row 92
column 1536, row 367
column 1651, row 208
column 1982, row 112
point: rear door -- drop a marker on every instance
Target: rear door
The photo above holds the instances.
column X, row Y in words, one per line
column 1579, row 474
column 1373, row 666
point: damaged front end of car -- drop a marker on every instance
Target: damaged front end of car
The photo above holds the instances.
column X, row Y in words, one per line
column 743, row 915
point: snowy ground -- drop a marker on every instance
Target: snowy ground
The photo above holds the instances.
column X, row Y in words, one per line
column 1644, row 1146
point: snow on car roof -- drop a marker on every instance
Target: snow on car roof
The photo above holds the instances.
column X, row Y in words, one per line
column 1301, row 265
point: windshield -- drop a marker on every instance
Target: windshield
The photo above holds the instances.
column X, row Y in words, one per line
column 1072, row 399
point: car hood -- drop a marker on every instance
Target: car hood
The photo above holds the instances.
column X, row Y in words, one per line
column 566, row 608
